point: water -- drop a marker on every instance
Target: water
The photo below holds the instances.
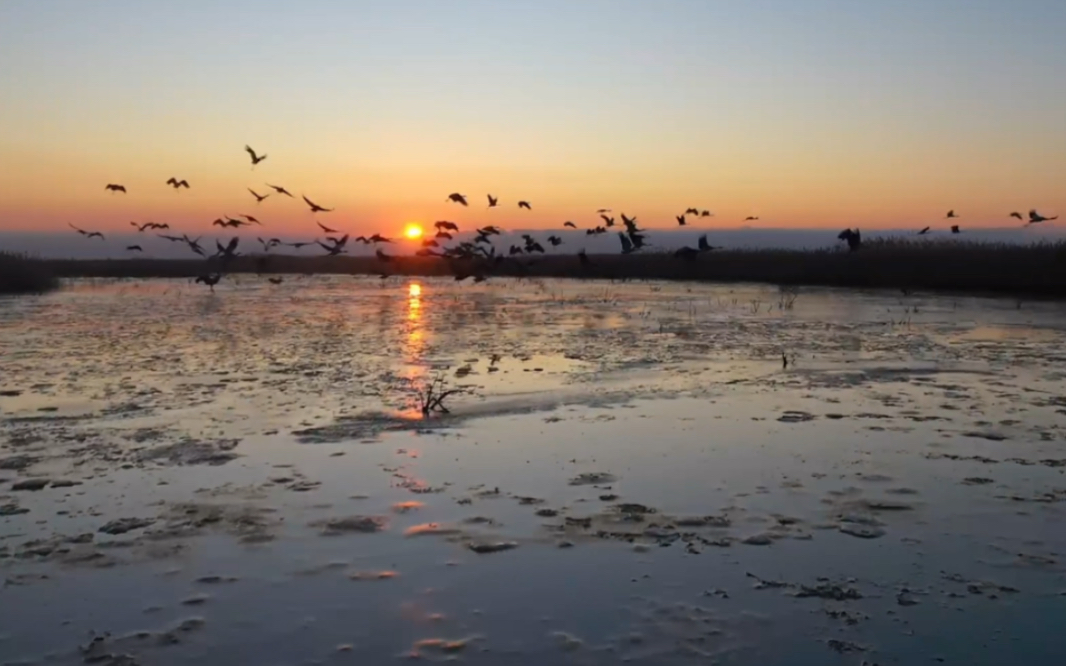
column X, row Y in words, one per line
column 655, row 486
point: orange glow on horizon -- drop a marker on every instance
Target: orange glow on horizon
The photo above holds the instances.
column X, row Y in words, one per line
column 413, row 231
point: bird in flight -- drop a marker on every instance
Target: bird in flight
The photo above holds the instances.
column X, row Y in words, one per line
column 382, row 256
column 443, row 234
column 595, row 231
column 525, row 204
column 134, row 248
column 705, row 213
column 923, row 231
column 337, row 247
column 1016, row 214
column 751, row 218
column 378, row 238
column 256, row 159
column 269, row 243
column 493, row 201
column 194, row 245
column 258, row 197
column 680, row 220
column 115, row 188
column 951, row 214
column 176, row 184
column 627, row 245
column 299, row 244
column 315, row 208
column 148, row 225
column 692, row 211
column 444, row 224
column 555, row 240
column 1034, row 217
column 280, row 190
column 609, row 221
column 326, row 229
column 570, row 224
column 955, row 229
column 457, row 198
column 211, row 279
column 853, row 238
column 601, row 211
column 251, row 219
column 229, row 250
column 87, row 234
column 173, row 239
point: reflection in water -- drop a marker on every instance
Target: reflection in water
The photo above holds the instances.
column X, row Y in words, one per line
column 414, row 335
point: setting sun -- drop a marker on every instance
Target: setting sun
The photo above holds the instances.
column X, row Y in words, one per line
column 413, row 231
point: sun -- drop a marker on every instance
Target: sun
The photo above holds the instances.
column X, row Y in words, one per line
column 413, row 231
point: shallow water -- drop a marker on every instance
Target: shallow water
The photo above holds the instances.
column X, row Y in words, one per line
column 628, row 475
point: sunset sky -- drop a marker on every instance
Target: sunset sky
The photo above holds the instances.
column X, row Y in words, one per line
column 806, row 113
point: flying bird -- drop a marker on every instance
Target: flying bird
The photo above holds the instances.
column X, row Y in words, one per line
column 444, row 224
column 175, row 183
column 692, row 211
column 280, row 190
column 141, row 227
column 1034, row 218
column 955, row 229
column 194, row 245
column 923, row 231
column 608, row 220
column 115, row 188
column 326, row 229
column 951, row 214
column 1016, row 214
column 493, row 201
column 228, row 251
column 751, row 218
column 299, row 244
column 87, row 234
column 378, row 238
column 555, row 241
column 134, row 248
column 601, row 211
column 627, row 245
column 315, row 208
column 680, row 220
column 211, row 279
column 256, row 159
column 443, row 234
column 853, row 238
column 705, row 213
column 703, row 245
column 457, row 198
column 525, row 204
column 173, row 239
column 382, row 256
column 258, row 197
column 251, row 219
column 570, row 224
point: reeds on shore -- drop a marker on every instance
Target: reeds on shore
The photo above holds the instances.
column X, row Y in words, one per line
column 22, row 274
column 1037, row 269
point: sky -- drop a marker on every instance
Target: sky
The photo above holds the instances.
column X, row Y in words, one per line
column 804, row 113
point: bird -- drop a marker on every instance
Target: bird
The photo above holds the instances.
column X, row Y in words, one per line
column 87, row 234
column 315, row 208
column 525, row 204
column 258, row 197
column 457, row 198
column 299, row 244
column 251, row 219
column 141, row 227
column 680, row 220
column 924, row 231
column 555, row 241
column 256, row 159
column 175, row 183
column 492, row 201
column 1016, row 214
column 595, row 231
column 326, row 229
column 134, row 248
column 609, row 221
column 627, row 245
column 955, row 229
column 570, row 224
column 630, row 223
column 1034, row 217
column 429, row 242
column 951, row 214
column 443, row 234
column 382, row 256
column 751, row 218
column 853, row 238
column 515, row 249
column 601, row 211
column 115, row 188
column 444, row 224
column 280, row 190
column 269, row 243
column 229, row 250
column 583, row 258
column 210, row 279
column 194, row 245
column 692, row 211
column 705, row 213
column 173, row 239
column 703, row 245
column 336, row 248
column 490, row 230
column 378, row 238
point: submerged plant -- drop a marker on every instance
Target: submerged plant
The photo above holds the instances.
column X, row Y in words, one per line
column 431, row 395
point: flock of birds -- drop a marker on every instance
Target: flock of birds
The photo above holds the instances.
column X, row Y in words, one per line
column 466, row 258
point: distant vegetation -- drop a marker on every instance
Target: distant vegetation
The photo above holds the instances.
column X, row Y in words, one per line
column 948, row 265
column 20, row 274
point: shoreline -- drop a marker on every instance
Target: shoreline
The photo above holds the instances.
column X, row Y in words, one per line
column 1036, row 271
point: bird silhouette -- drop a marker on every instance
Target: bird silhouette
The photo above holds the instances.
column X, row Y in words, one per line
column 1035, row 217
column 692, row 211
column 280, row 190
column 337, row 247
column 298, row 244
column 315, row 208
column 457, row 198
column 142, row 227
column 525, row 204
column 87, row 234
column 955, row 229
column 444, row 224
column 251, row 219
column 570, row 224
column 630, row 224
column 601, row 211
column 256, row 159
column 583, row 258
column 229, row 250
column 1017, row 215
column 703, row 245
column 609, row 221
column 853, row 238
column 443, row 234
column 751, row 218
column 134, row 248
column 493, row 201
column 378, row 238
column 194, row 245
column 490, row 230
column 382, row 256
column 555, row 241
column 258, row 197
column 115, row 188
column 680, row 220
column 326, row 229
column 705, row 213
column 269, row 243
column 595, row 231
column 175, row 183
column 210, row 279
column 951, row 214
column 173, row 239
column 924, row 231
column 627, row 245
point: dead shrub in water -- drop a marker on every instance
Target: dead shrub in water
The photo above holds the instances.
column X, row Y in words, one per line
column 431, row 396
column 21, row 274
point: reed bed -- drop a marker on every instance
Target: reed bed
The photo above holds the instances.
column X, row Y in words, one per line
column 22, row 274
column 1037, row 269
